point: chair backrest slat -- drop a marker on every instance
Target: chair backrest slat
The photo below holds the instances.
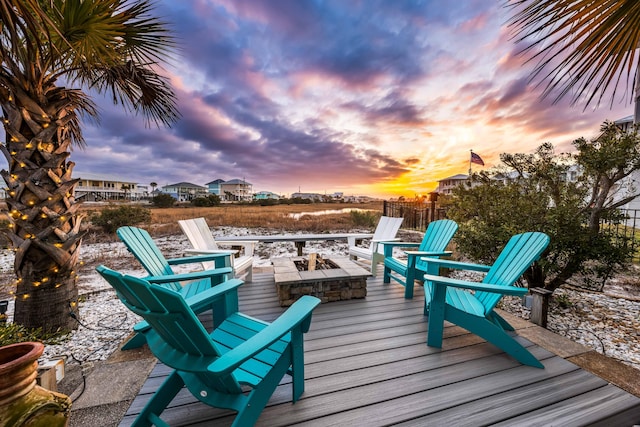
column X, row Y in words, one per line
column 198, row 232
column 142, row 246
column 178, row 339
column 386, row 229
column 436, row 238
column 518, row 254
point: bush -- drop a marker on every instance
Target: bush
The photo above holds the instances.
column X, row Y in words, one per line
column 364, row 218
column 110, row 219
column 12, row 333
column 163, row 201
column 210, row 200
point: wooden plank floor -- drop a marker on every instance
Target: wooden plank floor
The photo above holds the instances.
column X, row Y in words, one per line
column 367, row 364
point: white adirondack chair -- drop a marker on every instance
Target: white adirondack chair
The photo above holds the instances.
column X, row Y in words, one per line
column 199, row 234
column 385, row 231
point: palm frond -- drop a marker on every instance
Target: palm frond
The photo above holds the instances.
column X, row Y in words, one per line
column 139, row 88
column 584, row 49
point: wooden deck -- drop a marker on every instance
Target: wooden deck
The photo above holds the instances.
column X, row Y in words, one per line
column 367, row 364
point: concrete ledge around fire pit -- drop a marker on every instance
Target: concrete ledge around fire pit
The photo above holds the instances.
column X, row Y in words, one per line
column 346, row 282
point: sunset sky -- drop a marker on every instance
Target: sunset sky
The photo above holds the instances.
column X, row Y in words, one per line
column 365, row 97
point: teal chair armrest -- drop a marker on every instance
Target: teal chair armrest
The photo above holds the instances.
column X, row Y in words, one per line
column 427, row 253
column 198, row 258
column 203, row 274
column 475, row 286
column 389, row 245
column 204, row 299
column 296, row 316
column 458, row 265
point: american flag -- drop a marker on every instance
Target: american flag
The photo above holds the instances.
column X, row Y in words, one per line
column 476, row 159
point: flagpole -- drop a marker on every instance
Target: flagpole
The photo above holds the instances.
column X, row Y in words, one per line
column 470, row 151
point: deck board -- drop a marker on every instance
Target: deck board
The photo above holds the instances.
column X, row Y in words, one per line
column 367, row 363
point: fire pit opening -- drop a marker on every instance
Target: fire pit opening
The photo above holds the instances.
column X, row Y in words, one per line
column 315, row 262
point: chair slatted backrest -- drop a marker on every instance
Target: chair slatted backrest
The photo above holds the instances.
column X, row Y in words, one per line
column 142, row 246
column 518, row 254
column 198, row 232
column 178, row 339
column 436, row 238
column 386, row 229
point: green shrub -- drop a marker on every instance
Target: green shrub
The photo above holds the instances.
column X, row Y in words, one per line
column 206, row 201
column 163, row 201
column 110, row 219
column 12, row 333
column 364, row 218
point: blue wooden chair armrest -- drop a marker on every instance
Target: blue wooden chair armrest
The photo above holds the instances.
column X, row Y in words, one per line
column 202, row 274
column 475, row 286
column 204, row 299
column 458, row 265
column 296, row 316
column 427, row 253
column 197, row 258
column 389, row 245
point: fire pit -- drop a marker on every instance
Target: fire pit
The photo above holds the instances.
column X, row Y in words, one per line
column 332, row 279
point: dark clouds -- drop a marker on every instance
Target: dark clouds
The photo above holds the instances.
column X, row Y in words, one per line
column 332, row 95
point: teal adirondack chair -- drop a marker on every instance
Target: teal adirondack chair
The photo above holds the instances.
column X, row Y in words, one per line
column 144, row 249
column 448, row 299
column 434, row 243
column 216, row 366
column 142, row 246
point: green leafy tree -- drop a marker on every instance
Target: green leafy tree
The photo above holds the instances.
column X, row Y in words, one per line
column 532, row 192
column 582, row 47
column 163, row 200
column 107, row 46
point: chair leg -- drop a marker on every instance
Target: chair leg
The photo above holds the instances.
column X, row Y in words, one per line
column 499, row 320
column 409, row 283
column 496, row 336
column 136, row 341
column 259, row 397
column 386, row 278
column 162, row 397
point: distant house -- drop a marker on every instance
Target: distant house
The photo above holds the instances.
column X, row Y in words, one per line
column 307, row 196
column 447, row 185
column 236, row 190
column 94, row 187
column 264, row 195
column 185, row 191
column 215, row 187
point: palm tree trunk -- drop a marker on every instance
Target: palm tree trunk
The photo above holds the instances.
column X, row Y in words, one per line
column 44, row 225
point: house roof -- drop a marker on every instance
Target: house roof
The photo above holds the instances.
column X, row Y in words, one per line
column 216, row 181
column 237, row 181
column 185, row 185
column 628, row 119
column 101, row 177
column 458, row 177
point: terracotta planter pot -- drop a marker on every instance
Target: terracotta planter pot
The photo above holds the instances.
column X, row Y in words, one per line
column 22, row 401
